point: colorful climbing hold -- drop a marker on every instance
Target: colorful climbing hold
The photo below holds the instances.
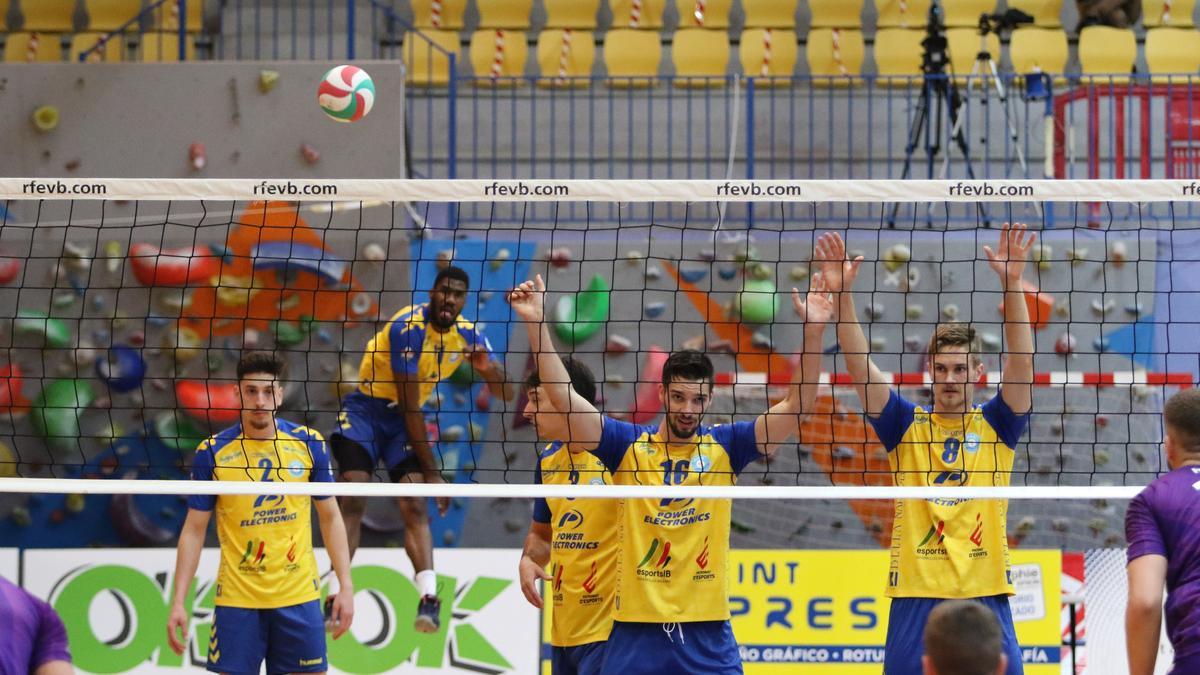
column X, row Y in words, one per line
column 655, row 309
column 502, row 256
column 950, row 311
column 53, row 332
column 560, row 257
column 896, row 256
column 617, row 344
column 693, row 275
column 1065, row 344
column 309, row 154
column 727, row 273
column 267, row 79
column 1103, row 307
column 913, row 312
column 798, row 273
column 757, row 302
column 209, row 402
column 647, row 403
column 177, row 432
column 374, row 253
column 184, row 266
column 579, row 316
column 1117, row 253
column 653, row 274
column 9, row 269
column 57, row 410
column 122, row 369
column 45, row 118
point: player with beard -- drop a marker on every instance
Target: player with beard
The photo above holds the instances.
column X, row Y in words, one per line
column 382, row 421
column 945, row 548
column 576, row 537
column 671, row 613
column 267, row 587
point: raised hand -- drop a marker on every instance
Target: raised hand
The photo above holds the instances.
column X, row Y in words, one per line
column 528, row 300
column 819, row 307
column 1009, row 260
column 838, row 271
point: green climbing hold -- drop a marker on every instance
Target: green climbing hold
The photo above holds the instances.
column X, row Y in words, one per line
column 54, row 332
column 464, row 375
column 758, row 301
column 580, row 316
column 289, row 334
column 57, row 410
column 178, row 432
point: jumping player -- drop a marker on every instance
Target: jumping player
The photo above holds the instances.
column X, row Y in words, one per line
column 382, row 421
column 671, row 613
column 945, row 548
column 267, row 592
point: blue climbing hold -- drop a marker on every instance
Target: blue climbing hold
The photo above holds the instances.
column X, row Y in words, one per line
column 122, row 369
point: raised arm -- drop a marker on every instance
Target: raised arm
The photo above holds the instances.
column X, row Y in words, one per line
column 782, row 421
column 584, row 422
column 840, row 272
column 1008, row 261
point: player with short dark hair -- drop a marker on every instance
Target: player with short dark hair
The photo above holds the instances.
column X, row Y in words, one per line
column 962, row 637
column 1164, row 548
column 382, row 422
column 671, row 613
column 945, row 548
column 576, row 537
column 268, row 586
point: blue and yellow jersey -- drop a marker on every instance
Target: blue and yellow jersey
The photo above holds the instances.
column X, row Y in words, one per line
column 949, row 548
column 266, row 541
column 673, row 558
column 407, row 344
column 583, row 548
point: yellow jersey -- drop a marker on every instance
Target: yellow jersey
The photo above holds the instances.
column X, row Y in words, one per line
column 407, row 344
column 673, row 559
column 267, row 557
column 949, row 548
column 583, row 548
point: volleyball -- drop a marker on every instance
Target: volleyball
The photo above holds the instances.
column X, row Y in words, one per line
column 346, row 93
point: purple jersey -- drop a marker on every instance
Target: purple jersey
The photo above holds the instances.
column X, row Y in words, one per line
column 33, row 633
column 1162, row 521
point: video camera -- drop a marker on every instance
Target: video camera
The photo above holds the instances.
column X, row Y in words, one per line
column 1009, row 20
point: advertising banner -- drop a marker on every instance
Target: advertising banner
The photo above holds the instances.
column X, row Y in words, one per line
column 115, row 604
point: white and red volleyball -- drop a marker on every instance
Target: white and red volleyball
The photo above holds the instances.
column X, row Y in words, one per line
column 346, row 93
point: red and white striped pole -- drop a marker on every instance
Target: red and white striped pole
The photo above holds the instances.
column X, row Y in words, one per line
column 498, row 57
column 564, row 56
column 1166, row 12
column 635, row 13
column 837, row 51
column 32, row 49
column 698, row 12
column 765, row 70
column 435, row 13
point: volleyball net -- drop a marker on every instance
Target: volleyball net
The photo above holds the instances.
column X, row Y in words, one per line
column 126, row 304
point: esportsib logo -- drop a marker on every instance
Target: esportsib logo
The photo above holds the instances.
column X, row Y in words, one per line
column 571, row 520
column 663, row 559
column 589, row 584
column 934, row 531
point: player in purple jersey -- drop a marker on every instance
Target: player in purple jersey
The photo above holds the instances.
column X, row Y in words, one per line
column 32, row 638
column 1164, row 547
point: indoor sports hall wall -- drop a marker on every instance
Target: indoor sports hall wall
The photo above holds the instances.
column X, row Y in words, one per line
column 142, row 120
column 91, row 269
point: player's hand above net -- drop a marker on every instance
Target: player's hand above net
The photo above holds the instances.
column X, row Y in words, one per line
column 818, row 305
column 528, row 300
column 1009, row 259
column 829, row 257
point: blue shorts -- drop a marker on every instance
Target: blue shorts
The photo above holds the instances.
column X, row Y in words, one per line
column 378, row 428
column 291, row 639
column 578, row 660
column 659, row 648
column 906, row 633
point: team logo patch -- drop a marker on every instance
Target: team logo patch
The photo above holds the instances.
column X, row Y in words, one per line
column 700, row 463
column 296, row 468
column 972, row 442
column 596, row 481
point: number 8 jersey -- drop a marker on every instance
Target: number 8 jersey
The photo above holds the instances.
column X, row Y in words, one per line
column 266, row 540
column 949, row 548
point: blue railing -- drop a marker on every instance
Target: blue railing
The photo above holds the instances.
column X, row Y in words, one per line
column 146, row 30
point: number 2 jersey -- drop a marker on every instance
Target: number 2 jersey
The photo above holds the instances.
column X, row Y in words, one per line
column 267, row 557
column 672, row 564
column 949, row 548
column 583, row 548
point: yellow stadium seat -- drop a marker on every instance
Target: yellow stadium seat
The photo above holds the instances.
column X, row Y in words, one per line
column 428, row 66
column 3, row 14
column 836, row 13
column 963, row 13
column 571, row 13
column 504, row 13
column 835, row 56
column 1174, row 13
column 48, row 15
column 1107, row 53
column 776, row 67
column 962, row 46
column 1033, row 49
column 703, row 13
column 701, row 57
column 163, row 47
column 113, row 50
column 449, row 14
column 109, row 15
column 498, row 57
column 1173, row 51
column 33, row 47
column 903, row 13
column 637, row 14
column 1045, row 13
column 770, row 13
column 898, row 55
column 565, row 57
column 631, row 57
